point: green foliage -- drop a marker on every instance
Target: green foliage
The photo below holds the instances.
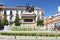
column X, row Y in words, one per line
column 17, row 20
column 30, row 34
column 23, row 28
column 4, row 21
column 0, row 22
column 40, row 22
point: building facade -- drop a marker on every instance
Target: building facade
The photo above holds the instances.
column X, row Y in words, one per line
column 27, row 14
column 53, row 20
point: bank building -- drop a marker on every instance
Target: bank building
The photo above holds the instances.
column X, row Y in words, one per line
column 28, row 14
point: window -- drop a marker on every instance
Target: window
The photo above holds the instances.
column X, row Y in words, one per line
column 11, row 23
column 21, row 11
column 5, row 13
column 28, row 20
column 10, row 12
column 10, row 15
column 16, row 11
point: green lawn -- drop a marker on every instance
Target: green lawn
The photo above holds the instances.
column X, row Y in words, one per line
column 23, row 28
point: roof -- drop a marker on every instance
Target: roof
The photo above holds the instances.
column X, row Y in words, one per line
column 20, row 7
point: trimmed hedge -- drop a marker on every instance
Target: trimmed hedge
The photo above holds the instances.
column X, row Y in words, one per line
column 30, row 34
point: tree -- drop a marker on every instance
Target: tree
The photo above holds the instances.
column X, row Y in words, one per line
column 17, row 20
column 40, row 22
column 4, row 21
column 0, row 22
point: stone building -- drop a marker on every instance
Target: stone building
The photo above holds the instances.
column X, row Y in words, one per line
column 27, row 14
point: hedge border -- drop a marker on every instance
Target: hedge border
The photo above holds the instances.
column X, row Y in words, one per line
column 31, row 34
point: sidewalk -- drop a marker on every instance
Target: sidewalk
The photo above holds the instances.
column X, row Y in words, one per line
column 28, row 38
column 31, row 31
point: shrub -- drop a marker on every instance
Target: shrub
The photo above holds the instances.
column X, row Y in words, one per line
column 17, row 21
column 4, row 21
column 31, row 34
column 40, row 22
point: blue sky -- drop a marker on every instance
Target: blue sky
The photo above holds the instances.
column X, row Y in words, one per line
column 50, row 6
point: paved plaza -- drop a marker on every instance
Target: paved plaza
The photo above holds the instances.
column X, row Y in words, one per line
column 28, row 38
